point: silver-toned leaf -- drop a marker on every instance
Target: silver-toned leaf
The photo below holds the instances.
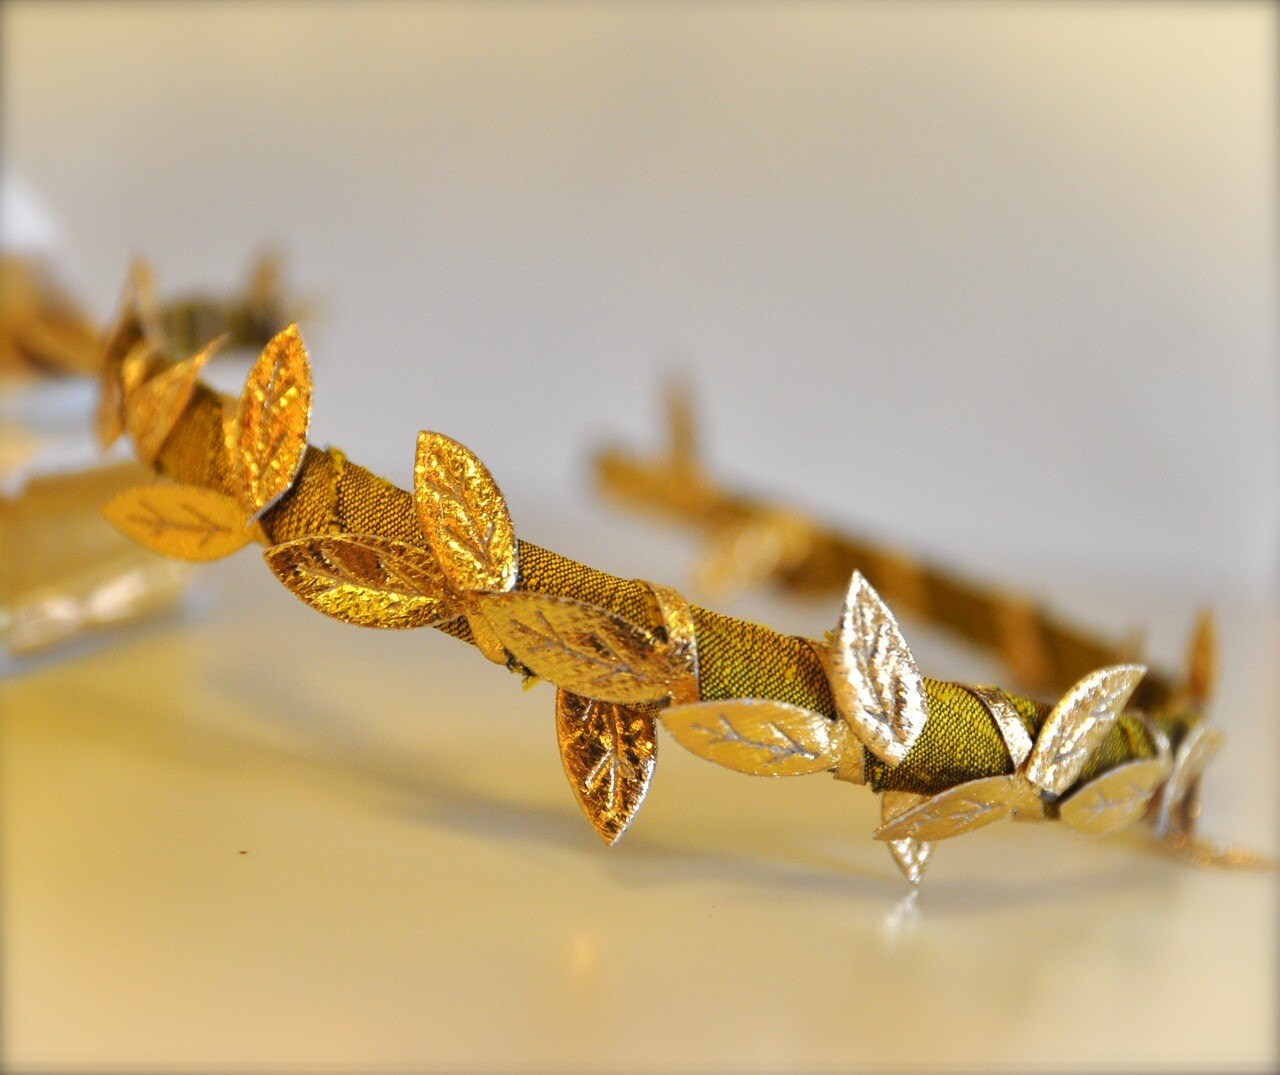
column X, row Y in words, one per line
column 1077, row 724
column 957, row 810
column 1198, row 747
column 877, row 686
column 609, row 752
column 1116, row 799
column 1007, row 719
column 910, row 856
column 758, row 736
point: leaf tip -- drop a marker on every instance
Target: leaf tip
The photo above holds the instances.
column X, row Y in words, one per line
column 875, row 681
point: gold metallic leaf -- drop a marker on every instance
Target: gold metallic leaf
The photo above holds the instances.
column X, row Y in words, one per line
column 609, row 751
column 1028, row 806
column 267, row 434
column 758, row 736
column 365, row 580
column 851, row 765
column 911, row 856
column 877, row 686
column 957, row 810
column 1116, row 799
column 1202, row 660
column 580, row 647
column 126, row 329
column 676, row 615
column 182, row 521
column 109, row 415
column 136, row 367
column 118, row 380
column 1078, row 724
column 487, row 642
column 108, row 420
column 153, row 407
column 1198, row 747
column 137, row 321
column 463, row 516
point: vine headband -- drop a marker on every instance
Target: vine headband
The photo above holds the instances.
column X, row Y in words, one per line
column 63, row 571
column 946, row 758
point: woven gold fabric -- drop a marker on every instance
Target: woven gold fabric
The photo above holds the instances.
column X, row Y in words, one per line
column 737, row 659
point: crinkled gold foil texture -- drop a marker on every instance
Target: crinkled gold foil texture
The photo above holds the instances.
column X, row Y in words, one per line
column 614, row 671
column 609, row 751
column 365, row 580
column 580, row 647
column 463, row 516
column 681, row 643
column 485, row 638
column 266, row 437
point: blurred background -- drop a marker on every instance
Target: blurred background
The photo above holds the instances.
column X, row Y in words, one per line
column 995, row 281
column 998, row 280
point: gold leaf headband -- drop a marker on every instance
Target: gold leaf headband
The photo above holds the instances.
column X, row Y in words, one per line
column 947, row 758
column 63, row 572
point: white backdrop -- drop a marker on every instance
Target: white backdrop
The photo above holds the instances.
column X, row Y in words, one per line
column 997, row 280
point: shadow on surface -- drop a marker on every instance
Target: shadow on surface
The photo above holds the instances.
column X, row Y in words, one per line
column 279, row 730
